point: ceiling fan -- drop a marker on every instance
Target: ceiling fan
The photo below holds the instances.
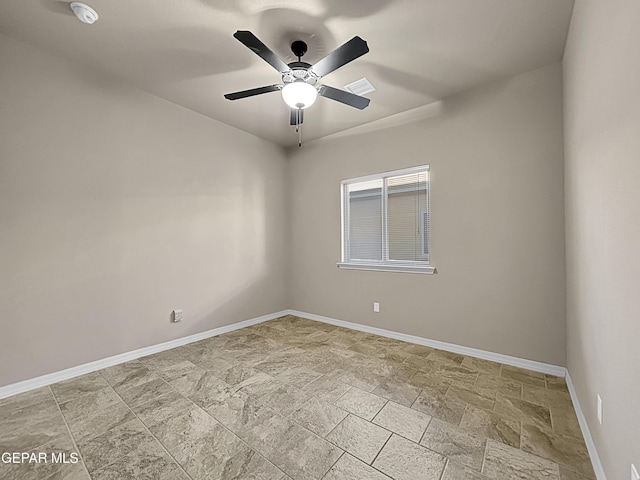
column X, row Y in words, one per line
column 300, row 86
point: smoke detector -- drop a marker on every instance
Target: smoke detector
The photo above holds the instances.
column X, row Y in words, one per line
column 85, row 13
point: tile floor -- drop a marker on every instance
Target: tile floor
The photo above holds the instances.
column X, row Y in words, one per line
column 297, row 399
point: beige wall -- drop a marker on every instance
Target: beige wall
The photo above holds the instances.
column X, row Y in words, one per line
column 602, row 138
column 497, row 223
column 117, row 207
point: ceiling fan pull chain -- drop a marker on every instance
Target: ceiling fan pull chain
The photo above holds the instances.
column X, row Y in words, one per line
column 299, row 136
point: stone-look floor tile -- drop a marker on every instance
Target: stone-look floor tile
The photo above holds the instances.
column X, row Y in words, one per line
column 137, row 378
column 318, row 416
column 397, row 390
column 75, row 388
column 549, row 398
column 489, row 425
column 19, row 418
column 440, row 406
column 252, row 358
column 424, row 364
column 89, row 403
column 147, row 462
column 161, row 359
column 360, row 380
column 44, row 469
column 479, row 397
column 313, row 365
column 565, row 422
column 454, row 443
column 392, row 354
column 23, row 400
column 449, row 358
column 177, row 370
column 556, row 383
column 236, row 409
column 142, row 393
column 455, row 471
column 338, row 352
column 129, row 373
column 402, row 459
column 258, row 385
column 201, row 386
column 402, row 420
column 372, row 365
column 522, row 411
column 298, row 376
column 301, row 454
column 327, row 389
column 237, row 374
column 524, row 376
column 360, row 438
column 431, row 381
column 484, row 366
column 33, row 434
column 502, row 461
column 415, row 349
column 216, row 453
column 245, row 464
column 104, row 449
column 96, row 423
column 458, row 374
column 286, row 399
column 218, row 365
column 161, row 408
column 75, row 471
column 363, row 404
column 560, row 449
column 505, row 386
column 568, row 474
column 350, row 468
column 195, row 426
column 258, row 425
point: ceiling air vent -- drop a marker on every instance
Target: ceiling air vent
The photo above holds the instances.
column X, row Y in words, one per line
column 360, row 87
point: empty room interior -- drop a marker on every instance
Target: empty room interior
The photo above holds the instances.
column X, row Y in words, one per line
column 321, row 240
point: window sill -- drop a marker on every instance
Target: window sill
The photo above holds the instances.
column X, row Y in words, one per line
column 428, row 269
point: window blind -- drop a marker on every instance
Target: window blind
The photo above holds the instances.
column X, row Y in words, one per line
column 386, row 219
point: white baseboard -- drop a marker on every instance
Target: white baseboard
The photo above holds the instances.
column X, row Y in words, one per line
column 588, row 439
column 449, row 347
column 72, row 372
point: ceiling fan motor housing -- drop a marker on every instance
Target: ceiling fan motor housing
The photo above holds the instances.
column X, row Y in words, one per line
column 300, row 71
column 299, row 48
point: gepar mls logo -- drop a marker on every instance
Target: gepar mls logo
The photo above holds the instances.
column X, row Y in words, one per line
column 40, row 457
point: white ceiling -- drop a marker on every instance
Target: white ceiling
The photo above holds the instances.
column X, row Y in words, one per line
column 184, row 51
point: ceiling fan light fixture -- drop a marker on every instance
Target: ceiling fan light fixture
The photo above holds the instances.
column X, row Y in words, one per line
column 299, row 94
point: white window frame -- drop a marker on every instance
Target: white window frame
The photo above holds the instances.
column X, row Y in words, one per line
column 386, row 264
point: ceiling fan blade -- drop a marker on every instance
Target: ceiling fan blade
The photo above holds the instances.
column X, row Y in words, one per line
column 342, row 96
column 354, row 48
column 297, row 116
column 252, row 92
column 260, row 49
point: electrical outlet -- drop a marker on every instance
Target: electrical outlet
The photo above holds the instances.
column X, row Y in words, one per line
column 599, row 409
column 376, row 307
column 634, row 473
column 177, row 316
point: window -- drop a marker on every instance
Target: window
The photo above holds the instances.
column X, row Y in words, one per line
column 385, row 221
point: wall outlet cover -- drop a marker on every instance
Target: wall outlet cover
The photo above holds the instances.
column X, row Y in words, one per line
column 376, row 307
column 177, row 316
